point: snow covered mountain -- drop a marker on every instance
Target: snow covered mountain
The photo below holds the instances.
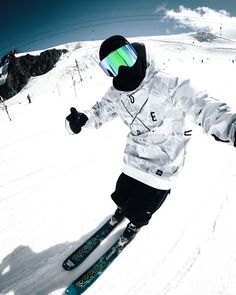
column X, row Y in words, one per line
column 21, row 69
column 55, row 188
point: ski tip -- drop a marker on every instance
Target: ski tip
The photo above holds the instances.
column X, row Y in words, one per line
column 68, row 265
column 71, row 290
column 65, row 267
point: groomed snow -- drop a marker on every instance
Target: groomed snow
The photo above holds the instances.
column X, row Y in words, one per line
column 55, row 188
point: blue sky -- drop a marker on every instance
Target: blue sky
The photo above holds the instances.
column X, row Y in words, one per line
column 33, row 25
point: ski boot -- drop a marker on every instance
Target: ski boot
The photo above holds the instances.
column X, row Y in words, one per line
column 128, row 234
column 117, row 217
column 131, row 231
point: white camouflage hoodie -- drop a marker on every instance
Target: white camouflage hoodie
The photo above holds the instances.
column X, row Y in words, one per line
column 155, row 113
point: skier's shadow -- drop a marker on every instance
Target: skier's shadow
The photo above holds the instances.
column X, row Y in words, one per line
column 25, row 272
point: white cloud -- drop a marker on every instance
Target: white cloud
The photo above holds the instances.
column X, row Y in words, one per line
column 202, row 18
column 160, row 8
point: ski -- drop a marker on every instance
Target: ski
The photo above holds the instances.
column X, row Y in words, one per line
column 83, row 251
column 85, row 280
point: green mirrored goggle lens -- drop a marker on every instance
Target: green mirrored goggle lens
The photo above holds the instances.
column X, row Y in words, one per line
column 123, row 56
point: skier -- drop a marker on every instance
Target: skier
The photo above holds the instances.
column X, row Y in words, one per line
column 153, row 104
column 29, row 98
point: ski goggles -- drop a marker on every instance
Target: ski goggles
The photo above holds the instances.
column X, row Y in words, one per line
column 123, row 56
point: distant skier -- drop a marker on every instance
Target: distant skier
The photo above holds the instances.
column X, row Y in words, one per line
column 153, row 104
column 29, row 98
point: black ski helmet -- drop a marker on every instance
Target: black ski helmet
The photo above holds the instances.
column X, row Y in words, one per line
column 128, row 78
column 111, row 44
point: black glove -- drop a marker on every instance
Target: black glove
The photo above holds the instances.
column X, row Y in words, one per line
column 76, row 120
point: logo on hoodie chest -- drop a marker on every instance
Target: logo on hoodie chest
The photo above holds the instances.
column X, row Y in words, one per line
column 132, row 110
column 135, row 101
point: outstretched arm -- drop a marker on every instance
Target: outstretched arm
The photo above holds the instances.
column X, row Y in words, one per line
column 214, row 116
column 102, row 112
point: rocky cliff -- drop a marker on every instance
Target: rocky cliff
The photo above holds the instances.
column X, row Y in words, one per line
column 21, row 69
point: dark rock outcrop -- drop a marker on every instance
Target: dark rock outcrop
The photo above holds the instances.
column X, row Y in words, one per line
column 204, row 37
column 21, row 69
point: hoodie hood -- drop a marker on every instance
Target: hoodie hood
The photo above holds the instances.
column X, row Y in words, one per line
column 152, row 68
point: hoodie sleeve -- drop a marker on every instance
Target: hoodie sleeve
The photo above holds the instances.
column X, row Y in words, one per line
column 214, row 116
column 103, row 111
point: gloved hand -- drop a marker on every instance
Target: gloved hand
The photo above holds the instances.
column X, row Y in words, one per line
column 74, row 121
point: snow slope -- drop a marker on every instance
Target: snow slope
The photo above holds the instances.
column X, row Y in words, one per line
column 55, row 188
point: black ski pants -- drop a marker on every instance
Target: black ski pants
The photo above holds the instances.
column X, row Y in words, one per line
column 137, row 200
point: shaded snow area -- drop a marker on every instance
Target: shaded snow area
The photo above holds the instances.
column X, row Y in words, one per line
column 55, row 188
